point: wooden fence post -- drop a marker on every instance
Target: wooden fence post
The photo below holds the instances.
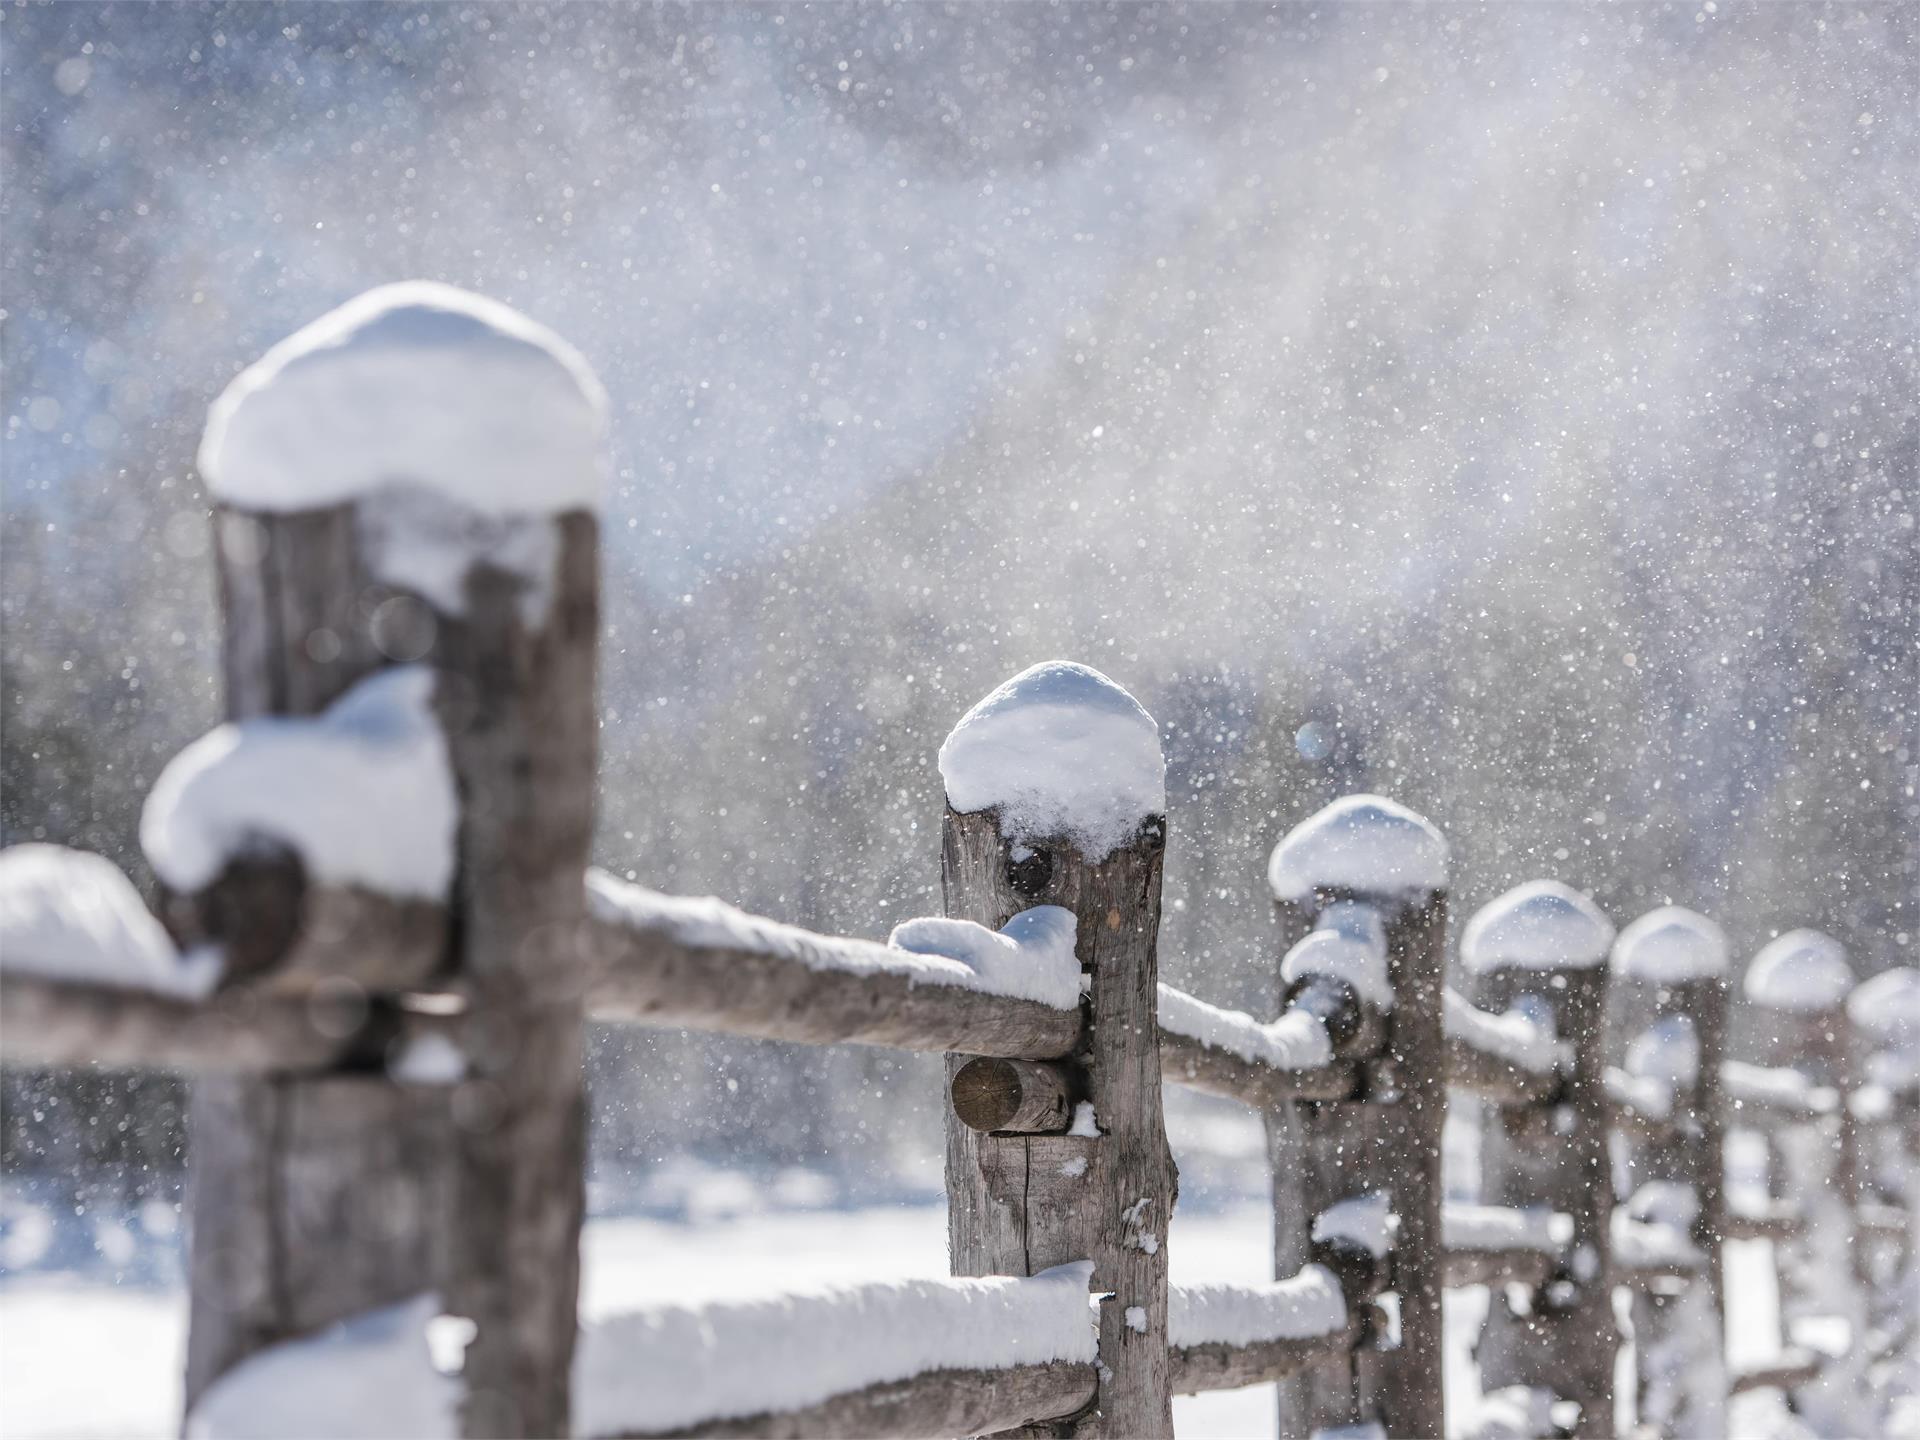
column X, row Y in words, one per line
column 1885, row 1015
column 1797, row 988
column 1542, row 947
column 1670, row 992
column 1369, row 852
column 413, row 478
column 1056, row 796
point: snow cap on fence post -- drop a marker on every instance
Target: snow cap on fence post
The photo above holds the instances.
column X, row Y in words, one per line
column 415, row 383
column 1670, row 946
column 1360, row 845
column 1542, row 925
column 1059, row 752
column 1056, row 795
column 1802, row 971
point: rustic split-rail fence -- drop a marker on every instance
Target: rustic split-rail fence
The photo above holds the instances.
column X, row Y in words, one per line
column 378, row 874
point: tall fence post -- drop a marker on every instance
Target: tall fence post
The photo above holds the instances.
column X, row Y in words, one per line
column 1056, row 796
column 413, row 478
column 1367, row 852
column 1541, row 948
column 1797, row 989
column 1670, row 994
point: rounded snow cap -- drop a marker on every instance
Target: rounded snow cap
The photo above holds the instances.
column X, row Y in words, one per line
column 1542, row 925
column 1887, row 1007
column 420, row 384
column 1670, row 946
column 1801, row 970
column 1364, row 844
column 1061, row 752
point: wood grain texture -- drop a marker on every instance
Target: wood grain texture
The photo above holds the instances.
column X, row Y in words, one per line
column 312, row 1198
column 1197, row 1065
column 1019, row 1204
column 649, row 978
column 928, row 1406
column 516, row 698
column 1021, row 1096
column 1199, row 1368
column 1556, row 1156
column 1388, row 1138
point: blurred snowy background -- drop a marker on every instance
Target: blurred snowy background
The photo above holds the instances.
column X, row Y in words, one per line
column 1509, row 409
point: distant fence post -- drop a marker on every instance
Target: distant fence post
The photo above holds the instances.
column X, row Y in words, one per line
column 413, row 479
column 1797, row 988
column 1670, row 994
column 1022, row 1203
column 1542, row 947
column 1885, row 1015
column 1367, row 852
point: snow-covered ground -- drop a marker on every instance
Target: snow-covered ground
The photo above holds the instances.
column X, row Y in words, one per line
column 58, row 1327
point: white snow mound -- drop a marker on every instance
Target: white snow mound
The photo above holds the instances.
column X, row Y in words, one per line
column 672, row 1366
column 413, row 384
column 1671, row 946
column 69, row 915
column 1542, row 925
column 1310, row 1303
column 1802, row 970
column 1061, row 752
column 368, row 1378
column 1668, row 1051
column 1348, row 943
column 1362, row 844
column 1887, row 1007
column 363, row 793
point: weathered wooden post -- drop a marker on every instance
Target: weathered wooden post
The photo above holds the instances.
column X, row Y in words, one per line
column 1542, row 948
column 1364, row 1174
column 1670, row 993
column 1056, row 795
column 1797, row 989
column 411, row 481
column 1885, row 1014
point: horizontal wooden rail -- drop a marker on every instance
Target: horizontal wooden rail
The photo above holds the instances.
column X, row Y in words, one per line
column 928, row 1406
column 1496, row 1245
column 50, row 1023
column 1222, row 1337
column 665, row 961
column 1507, row 1059
column 1775, row 1220
column 1759, row 1094
column 1784, row 1371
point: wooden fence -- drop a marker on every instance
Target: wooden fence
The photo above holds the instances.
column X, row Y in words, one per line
column 388, row 1094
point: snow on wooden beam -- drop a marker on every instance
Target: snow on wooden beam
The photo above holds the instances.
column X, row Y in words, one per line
column 49, row 1023
column 1760, row 1094
column 665, row 961
column 1223, row 1337
column 919, row 1357
column 927, row 1406
column 1785, row 1371
column 1774, row 1220
column 1499, row 1244
column 1230, row 1054
column 1510, row 1059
